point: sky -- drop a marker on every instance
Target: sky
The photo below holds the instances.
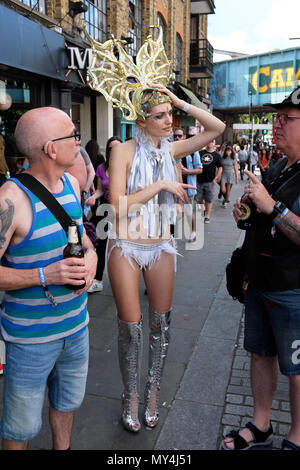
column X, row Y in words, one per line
column 254, row 26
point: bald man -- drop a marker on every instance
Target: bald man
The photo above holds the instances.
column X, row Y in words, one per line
column 46, row 336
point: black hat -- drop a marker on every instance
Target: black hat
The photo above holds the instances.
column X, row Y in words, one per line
column 292, row 100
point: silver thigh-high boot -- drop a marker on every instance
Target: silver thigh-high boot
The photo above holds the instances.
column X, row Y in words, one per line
column 159, row 338
column 130, row 353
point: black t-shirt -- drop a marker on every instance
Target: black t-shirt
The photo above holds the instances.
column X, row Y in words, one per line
column 210, row 161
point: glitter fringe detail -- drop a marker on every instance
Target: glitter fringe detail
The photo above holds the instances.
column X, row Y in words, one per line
column 145, row 255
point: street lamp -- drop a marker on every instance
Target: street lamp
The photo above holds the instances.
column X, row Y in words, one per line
column 251, row 120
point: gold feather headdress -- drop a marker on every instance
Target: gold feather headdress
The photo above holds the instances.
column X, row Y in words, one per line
column 125, row 83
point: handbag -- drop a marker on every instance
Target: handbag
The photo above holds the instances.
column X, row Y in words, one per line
column 236, row 277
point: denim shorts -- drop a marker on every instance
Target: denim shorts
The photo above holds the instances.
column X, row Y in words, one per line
column 61, row 365
column 272, row 327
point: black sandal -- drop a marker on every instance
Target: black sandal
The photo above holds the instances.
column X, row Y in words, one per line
column 260, row 438
column 289, row 444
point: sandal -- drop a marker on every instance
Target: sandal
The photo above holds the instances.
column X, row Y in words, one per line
column 260, row 438
column 289, row 444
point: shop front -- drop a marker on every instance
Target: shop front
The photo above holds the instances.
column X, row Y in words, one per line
column 40, row 67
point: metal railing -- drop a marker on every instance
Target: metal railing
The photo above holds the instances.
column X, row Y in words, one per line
column 201, row 56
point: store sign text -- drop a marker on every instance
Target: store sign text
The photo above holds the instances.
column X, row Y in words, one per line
column 274, row 77
column 79, row 60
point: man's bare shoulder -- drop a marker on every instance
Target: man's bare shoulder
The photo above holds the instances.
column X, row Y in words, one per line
column 15, row 214
column 73, row 179
column 13, row 192
column 74, row 182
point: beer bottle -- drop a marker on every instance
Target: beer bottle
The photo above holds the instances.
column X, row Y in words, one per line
column 248, row 209
column 73, row 250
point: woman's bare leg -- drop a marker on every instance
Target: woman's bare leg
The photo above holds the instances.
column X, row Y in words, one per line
column 228, row 190
column 125, row 285
column 124, row 280
column 223, row 189
column 159, row 282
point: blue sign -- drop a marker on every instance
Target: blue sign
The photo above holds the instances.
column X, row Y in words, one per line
column 269, row 77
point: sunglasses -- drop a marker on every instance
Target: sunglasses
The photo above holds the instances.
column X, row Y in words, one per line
column 76, row 136
column 178, row 135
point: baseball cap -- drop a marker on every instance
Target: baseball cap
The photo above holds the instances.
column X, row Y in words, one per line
column 292, row 100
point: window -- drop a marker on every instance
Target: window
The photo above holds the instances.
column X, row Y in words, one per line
column 178, row 57
column 95, row 19
column 161, row 22
column 18, row 90
column 135, row 26
column 37, row 5
column 194, row 27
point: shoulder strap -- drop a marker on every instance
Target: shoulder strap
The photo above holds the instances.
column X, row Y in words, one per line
column 46, row 197
column 283, row 177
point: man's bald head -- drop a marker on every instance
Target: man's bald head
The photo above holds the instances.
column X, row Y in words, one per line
column 38, row 126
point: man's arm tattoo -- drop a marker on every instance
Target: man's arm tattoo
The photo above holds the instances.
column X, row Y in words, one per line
column 290, row 226
column 6, row 217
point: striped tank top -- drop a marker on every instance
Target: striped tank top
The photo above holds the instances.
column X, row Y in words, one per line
column 27, row 315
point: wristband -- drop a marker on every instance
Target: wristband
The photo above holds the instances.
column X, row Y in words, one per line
column 45, row 287
column 42, row 277
column 186, row 107
column 284, row 213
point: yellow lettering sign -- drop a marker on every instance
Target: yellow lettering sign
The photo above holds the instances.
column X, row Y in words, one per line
column 264, row 71
column 297, row 76
column 289, row 76
column 254, row 80
column 277, row 79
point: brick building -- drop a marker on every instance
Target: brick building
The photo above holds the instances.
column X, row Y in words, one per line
column 46, row 56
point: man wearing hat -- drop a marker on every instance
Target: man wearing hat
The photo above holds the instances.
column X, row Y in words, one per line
column 272, row 300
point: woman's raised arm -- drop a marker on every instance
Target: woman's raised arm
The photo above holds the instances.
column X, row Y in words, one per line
column 213, row 127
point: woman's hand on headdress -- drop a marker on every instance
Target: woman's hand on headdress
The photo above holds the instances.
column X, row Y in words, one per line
column 162, row 89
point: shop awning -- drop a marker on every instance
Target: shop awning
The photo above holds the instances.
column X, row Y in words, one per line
column 194, row 100
column 29, row 46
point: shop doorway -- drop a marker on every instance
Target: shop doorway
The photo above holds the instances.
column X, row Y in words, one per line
column 127, row 130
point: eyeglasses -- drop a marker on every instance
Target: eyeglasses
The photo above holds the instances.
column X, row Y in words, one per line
column 283, row 119
column 178, row 135
column 76, row 136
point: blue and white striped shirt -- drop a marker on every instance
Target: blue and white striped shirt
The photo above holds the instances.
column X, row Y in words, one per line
column 28, row 316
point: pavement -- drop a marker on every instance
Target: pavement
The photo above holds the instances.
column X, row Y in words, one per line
column 206, row 385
